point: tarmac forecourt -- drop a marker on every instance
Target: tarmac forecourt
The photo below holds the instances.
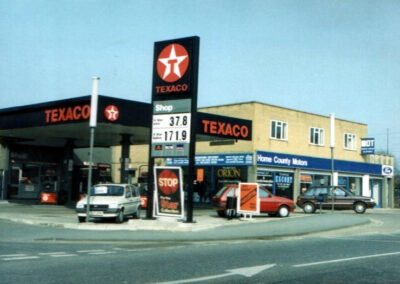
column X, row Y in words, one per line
column 207, row 225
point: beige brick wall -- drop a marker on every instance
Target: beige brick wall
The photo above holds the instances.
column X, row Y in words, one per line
column 299, row 124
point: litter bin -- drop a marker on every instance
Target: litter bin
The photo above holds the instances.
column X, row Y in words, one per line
column 231, row 203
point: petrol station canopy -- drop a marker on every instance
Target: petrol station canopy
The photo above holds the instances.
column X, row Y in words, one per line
column 54, row 123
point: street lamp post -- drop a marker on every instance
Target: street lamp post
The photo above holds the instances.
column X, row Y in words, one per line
column 332, row 157
column 92, row 125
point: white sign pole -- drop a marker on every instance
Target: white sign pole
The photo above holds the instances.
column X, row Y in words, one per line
column 332, row 157
column 92, row 125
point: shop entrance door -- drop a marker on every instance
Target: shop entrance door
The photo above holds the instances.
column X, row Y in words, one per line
column 15, row 177
column 376, row 191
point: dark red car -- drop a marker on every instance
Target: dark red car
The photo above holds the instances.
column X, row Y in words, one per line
column 269, row 203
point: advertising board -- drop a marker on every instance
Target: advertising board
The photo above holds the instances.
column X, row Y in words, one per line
column 169, row 197
column 367, row 146
column 248, row 199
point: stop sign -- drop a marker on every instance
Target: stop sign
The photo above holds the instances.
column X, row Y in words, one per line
column 168, row 182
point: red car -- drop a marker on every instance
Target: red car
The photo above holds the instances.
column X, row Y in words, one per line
column 269, row 203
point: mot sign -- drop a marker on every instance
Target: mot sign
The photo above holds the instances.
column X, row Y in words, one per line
column 367, row 146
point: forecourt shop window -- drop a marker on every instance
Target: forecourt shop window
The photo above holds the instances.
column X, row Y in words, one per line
column 279, row 183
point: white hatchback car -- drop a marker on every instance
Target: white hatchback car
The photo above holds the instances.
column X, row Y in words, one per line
column 111, row 201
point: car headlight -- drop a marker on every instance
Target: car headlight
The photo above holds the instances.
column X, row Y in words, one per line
column 80, row 205
column 113, row 205
column 372, row 200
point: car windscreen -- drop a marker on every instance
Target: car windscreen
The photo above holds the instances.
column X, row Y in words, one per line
column 107, row 190
column 221, row 191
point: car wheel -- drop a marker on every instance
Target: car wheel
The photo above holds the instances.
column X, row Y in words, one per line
column 138, row 213
column 359, row 208
column 120, row 218
column 221, row 213
column 81, row 219
column 283, row 211
column 309, row 208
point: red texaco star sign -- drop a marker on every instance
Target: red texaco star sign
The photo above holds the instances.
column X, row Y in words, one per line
column 111, row 112
column 172, row 63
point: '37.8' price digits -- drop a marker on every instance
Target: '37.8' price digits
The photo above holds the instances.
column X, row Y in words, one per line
column 178, row 120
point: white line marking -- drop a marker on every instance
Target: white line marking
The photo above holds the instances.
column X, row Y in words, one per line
column 90, row 250
column 346, row 259
column 63, row 255
column 133, row 250
column 359, row 240
column 12, row 255
column 51, row 253
column 21, row 258
column 244, row 271
column 102, row 252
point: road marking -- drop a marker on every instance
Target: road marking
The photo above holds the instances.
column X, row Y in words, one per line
column 51, row 253
column 90, row 250
column 244, row 271
column 346, row 259
column 360, row 240
column 21, row 258
column 102, row 252
column 63, row 255
column 11, row 255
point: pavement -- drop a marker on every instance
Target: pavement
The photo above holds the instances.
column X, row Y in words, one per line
column 206, row 226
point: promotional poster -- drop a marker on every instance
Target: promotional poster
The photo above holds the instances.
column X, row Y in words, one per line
column 169, row 197
column 248, row 199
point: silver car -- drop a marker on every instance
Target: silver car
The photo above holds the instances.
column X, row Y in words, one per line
column 111, row 201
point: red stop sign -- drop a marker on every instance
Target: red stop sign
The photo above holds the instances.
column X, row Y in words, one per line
column 168, row 182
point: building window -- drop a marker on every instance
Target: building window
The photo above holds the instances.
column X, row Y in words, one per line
column 316, row 136
column 278, row 130
column 350, row 142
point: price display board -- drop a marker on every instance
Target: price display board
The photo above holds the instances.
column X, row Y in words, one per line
column 171, row 129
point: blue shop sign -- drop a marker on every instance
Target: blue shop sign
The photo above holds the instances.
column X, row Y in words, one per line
column 242, row 159
column 367, row 146
column 304, row 162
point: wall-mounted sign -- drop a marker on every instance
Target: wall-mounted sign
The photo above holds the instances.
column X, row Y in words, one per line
column 264, row 158
column 248, row 199
column 70, row 113
column 169, row 197
column 367, row 146
column 224, row 127
column 387, row 170
column 242, row 159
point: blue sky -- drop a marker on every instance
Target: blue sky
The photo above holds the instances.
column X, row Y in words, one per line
column 315, row 56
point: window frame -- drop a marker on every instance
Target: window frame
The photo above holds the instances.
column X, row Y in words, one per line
column 284, row 130
column 321, row 136
column 350, row 144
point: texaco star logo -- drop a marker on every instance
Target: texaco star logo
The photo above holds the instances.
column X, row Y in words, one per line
column 172, row 62
column 111, row 112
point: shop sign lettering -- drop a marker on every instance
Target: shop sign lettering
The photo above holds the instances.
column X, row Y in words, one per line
column 284, row 161
column 64, row 114
column 225, row 129
column 172, row 88
column 228, row 173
